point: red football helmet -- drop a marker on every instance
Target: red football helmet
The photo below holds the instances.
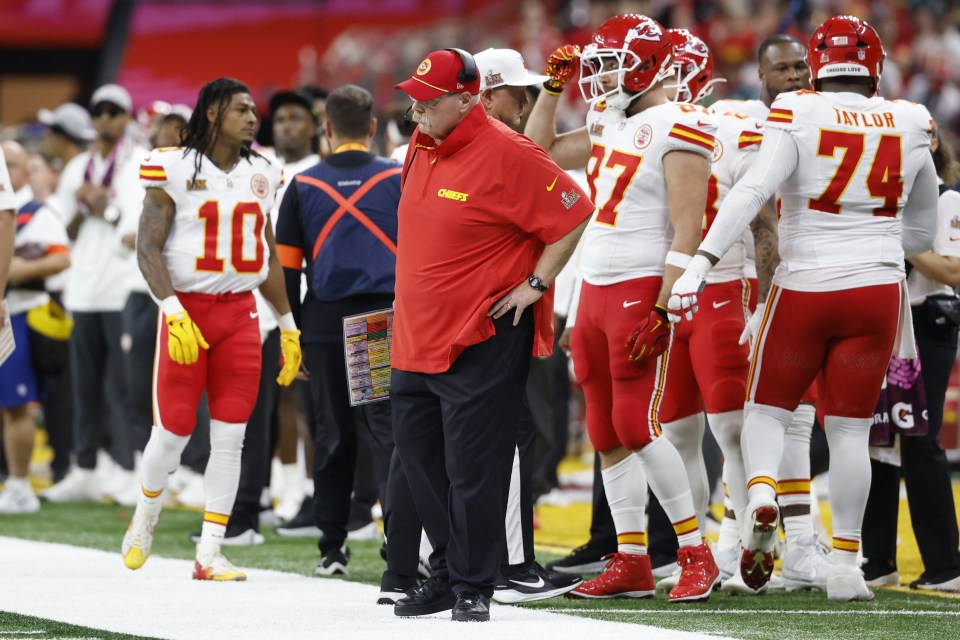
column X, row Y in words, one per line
column 633, row 49
column 693, row 65
column 845, row 46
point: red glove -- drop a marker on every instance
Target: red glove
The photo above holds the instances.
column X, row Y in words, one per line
column 651, row 336
column 560, row 67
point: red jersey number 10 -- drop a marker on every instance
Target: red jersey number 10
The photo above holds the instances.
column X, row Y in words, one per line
column 211, row 261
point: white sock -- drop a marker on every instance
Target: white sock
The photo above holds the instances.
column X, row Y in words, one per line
column 729, row 534
column 793, row 486
column 221, row 478
column 850, row 476
column 660, row 464
column 727, row 428
column 686, row 435
column 161, row 457
column 762, row 444
column 626, row 489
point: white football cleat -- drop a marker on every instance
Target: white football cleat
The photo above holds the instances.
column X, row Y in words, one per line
column 846, row 583
column 79, row 485
column 211, row 565
column 18, row 497
column 806, row 564
column 138, row 540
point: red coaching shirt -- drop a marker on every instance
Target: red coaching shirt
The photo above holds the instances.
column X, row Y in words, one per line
column 475, row 215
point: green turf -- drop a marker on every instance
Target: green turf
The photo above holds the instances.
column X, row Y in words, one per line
column 794, row 616
column 14, row 625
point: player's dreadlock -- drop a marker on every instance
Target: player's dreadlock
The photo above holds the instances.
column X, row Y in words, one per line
column 200, row 134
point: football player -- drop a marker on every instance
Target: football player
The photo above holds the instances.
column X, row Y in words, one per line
column 859, row 191
column 708, row 362
column 647, row 162
column 783, row 68
column 205, row 242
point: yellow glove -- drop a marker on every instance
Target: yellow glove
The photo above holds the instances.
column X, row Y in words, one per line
column 292, row 356
column 184, row 337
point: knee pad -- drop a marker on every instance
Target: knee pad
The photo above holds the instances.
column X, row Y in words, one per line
column 226, row 438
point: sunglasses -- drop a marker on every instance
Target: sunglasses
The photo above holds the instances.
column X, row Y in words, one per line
column 111, row 110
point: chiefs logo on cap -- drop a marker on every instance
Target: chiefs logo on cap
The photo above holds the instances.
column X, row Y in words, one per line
column 424, row 67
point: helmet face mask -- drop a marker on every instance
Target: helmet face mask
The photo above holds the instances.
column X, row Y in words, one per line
column 631, row 49
column 692, row 67
column 845, row 46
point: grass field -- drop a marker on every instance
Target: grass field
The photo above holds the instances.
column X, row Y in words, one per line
column 896, row 613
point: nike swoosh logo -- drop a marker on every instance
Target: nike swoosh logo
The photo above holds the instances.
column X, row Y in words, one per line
column 533, row 585
column 627, row 305
column 717, row 305
column 701, row 123
column 552, row 184
column 254, row 314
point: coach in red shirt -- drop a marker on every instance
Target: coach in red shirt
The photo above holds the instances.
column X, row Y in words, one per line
column 486, row 221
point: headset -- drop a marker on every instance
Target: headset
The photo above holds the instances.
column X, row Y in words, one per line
column 469, row 72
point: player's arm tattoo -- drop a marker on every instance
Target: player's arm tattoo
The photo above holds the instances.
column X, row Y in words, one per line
column 155, row 222
column 765, row 239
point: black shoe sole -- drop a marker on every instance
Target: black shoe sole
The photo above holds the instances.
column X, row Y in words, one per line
column 470, row 617
column 411, row 611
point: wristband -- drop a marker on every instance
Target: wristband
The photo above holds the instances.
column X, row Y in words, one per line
column 286, row 322
column 661, row 311
column 171, row 305
column 677, row 259
column 700, row 265
column 552, row 89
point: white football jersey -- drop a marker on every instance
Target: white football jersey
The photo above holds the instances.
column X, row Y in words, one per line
column 217, row 243
column 738, row 139
column 630, row 234
column 857, row 161
column 753, row 108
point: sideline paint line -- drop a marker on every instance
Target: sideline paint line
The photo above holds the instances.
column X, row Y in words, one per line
column 778, row 612
column 161, row 600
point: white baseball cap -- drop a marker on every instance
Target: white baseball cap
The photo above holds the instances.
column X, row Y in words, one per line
column 505, row 67
column 73, row 119
column 114, row 94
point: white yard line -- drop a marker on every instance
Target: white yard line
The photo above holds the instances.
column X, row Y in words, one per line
column 92, row 588
column 756, row 612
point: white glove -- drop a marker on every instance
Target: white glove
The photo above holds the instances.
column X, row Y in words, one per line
column 753, row 327
column 683, row 296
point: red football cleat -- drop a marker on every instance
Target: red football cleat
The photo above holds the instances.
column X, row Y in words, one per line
column 626, row 576
column 698, row 575
column 756, row 561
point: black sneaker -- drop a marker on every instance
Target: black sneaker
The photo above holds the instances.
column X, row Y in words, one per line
column 433, row 596
column 471, row 607
column 393, row 587
column 948, row 582
column 334, row 562
column 587, row 558
column 533, row 583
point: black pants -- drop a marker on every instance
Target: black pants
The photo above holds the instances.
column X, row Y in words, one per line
column 255, row 458
column 335, row 441
column 456, row 432
column 603, row 533
column 99, row 387
column 548, row 392
column 925, row 470
column 139, row 345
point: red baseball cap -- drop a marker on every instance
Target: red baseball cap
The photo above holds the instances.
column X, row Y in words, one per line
column 438, row 75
